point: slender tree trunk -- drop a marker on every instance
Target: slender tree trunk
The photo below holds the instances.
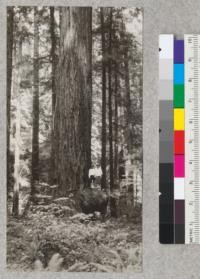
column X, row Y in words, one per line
column 73, row 100
column 110, row 103
column 116, row 151
column 16, row 90
column 53, row 73
column 35, row 133
column 10, row 24
column 128, row 102
column 89, row 87
column 103, row 132
column 128, row 114
column 129, row 119
column 53, row 56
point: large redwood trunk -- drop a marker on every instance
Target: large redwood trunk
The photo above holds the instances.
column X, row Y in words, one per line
column 72, row 134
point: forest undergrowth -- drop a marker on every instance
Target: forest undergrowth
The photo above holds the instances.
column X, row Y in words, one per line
column 55, row 237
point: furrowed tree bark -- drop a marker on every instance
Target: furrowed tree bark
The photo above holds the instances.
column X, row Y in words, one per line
column 103, row 132
column 10, row 29
column 35, row 131
column 110, row 102
column 53, row 86
column 73, row 100
column 16, row 90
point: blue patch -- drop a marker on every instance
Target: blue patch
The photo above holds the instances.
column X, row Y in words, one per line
column 178, row 73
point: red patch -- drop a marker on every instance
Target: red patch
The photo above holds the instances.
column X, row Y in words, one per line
column 179, row 147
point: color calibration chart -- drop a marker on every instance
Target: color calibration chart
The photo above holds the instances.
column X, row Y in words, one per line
column 179, row 139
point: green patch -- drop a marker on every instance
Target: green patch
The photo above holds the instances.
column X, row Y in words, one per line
column 179, row 96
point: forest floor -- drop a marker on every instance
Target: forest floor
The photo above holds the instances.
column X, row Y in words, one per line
column 55, row 237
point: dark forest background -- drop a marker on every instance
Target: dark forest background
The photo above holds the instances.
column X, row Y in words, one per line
column 74, row 138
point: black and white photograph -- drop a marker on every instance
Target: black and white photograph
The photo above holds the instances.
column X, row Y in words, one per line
column 74, row 138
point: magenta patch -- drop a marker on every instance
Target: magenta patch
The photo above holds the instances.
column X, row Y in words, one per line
column 179, row 166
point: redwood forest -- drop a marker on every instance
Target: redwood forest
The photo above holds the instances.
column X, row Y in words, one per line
column 74, row 139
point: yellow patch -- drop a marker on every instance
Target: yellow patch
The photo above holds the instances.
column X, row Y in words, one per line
column 179, row 119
